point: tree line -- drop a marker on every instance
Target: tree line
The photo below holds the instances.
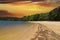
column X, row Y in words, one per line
column 53, row 15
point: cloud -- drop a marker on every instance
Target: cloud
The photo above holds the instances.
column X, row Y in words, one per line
column 37, row 0
column 18, row 0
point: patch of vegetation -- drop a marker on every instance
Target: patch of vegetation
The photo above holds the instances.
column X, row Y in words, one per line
column 53, row 15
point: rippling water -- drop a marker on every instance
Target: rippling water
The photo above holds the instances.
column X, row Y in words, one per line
column 5, row 23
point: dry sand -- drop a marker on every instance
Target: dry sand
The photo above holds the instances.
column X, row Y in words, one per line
column 26, row 32
column 55, row 26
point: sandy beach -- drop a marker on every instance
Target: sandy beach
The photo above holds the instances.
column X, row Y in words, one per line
column 26, row 31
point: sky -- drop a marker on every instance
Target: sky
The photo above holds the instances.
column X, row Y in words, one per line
column 25, row 8
column 21, row 0
column 28, row 0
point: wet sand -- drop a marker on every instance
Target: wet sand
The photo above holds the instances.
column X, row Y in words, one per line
column 22, row 32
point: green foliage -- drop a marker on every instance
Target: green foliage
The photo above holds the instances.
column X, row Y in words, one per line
column 9, row 18
column 54, row 15
column 36, row 17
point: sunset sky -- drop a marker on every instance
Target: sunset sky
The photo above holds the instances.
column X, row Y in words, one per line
column 25, row 8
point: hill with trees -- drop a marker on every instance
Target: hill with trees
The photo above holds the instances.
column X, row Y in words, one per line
column 53, row 15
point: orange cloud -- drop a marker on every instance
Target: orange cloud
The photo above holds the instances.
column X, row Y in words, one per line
column 47, row 4
column 18, row 15
column 28, row 8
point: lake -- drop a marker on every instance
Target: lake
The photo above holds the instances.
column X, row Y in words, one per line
column 5, row 23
